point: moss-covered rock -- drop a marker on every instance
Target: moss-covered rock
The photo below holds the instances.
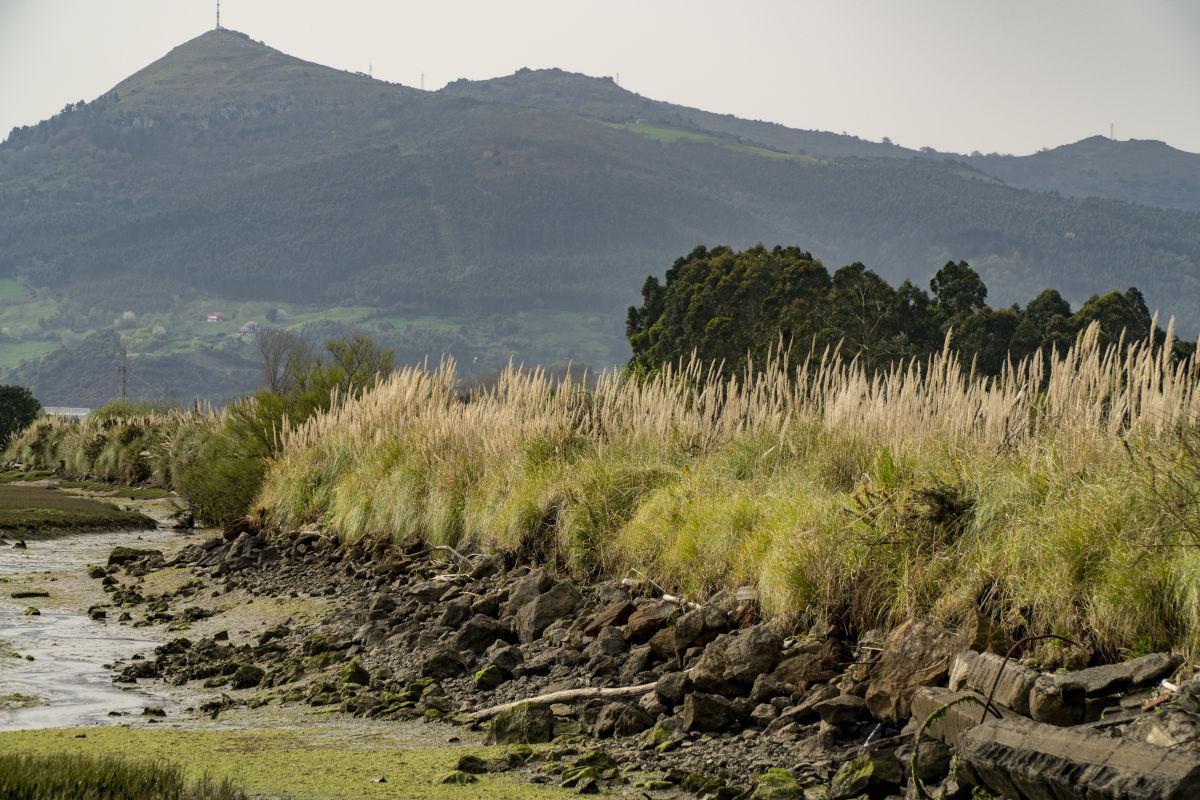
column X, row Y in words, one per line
column 528, row 723
column 777, row 784
column 355, row 674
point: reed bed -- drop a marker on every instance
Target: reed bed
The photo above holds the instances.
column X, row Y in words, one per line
column 1036, row 497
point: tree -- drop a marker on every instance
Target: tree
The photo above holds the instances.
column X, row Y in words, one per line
column 18, row 409
column 959, row 290
column 282, row 355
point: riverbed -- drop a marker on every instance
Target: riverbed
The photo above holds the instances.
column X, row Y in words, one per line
column 58, row 676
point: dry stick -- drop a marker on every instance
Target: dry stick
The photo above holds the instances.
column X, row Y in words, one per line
column 564, row 696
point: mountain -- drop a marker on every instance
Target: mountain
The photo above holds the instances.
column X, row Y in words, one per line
column 513, row 217
column 1149, row 172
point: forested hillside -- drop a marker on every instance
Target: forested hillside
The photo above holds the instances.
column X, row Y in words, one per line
column 495, row 219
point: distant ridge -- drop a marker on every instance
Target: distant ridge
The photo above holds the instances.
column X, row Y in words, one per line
column 227, row 169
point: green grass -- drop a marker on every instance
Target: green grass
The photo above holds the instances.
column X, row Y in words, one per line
column 669, row 135
column 33, row 511
column 302, row 764
column 81, row 777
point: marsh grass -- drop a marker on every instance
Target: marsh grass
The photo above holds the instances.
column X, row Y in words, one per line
column 842, row 496
column 81, row 777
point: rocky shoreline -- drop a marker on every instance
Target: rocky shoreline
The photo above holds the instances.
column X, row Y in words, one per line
column 645, row 694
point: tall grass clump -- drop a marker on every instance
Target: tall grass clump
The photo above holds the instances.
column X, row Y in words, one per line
column 851, row 496
column 81, row 777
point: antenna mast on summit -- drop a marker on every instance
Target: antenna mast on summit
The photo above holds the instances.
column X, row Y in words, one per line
column 218, row 14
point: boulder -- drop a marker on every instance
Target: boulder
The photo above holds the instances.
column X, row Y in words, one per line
column 706, row 713
column 621, row 719
column 247, row 676
column 915, row 654
column 672, row 687
column 842, row 711
column 777, row 784
column 479, row 633
column 121, row 556
column 738, row 658
column 699, row 626
column 1069, row 698
column 528, row 723
column 959, row 717
column 444, row 662
column 354, row 673
column 504, row 656
column 526, row 589
column 816, row 665
column 612, row 615
column 1018, row 757
column 559, row 602
column 649, row 619
column 978, row 672
column 875, row 773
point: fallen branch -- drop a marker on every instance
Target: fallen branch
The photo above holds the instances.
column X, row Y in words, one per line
column 564, row 696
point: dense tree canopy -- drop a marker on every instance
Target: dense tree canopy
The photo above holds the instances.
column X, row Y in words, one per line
column 729, row 306
column 18, row 408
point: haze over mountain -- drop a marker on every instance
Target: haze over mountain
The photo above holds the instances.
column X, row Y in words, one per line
column 508, row 217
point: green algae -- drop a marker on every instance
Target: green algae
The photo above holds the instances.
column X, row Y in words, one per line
column 303, row 764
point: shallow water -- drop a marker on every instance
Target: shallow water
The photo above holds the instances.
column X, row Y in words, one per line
column 69, row 649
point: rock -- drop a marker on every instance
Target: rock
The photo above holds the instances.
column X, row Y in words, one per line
column 429, row 591
column 33, row 611
column 875, row 773
column 559, row 602
column 650, row 703
column 842, row 711
column 121, row 556
column 1062, row 698
column 247, row 676
column 611, row 616
column 444, row 662
column 960, row 716
column 456, row 612
column 526, row 589
column 97, row 572
column 648, row 619
column 487, row 567
column 671, row 688
column 153, row 711
column 915, row 654
column 805, row 711
column 738, row 658
column 777, row 784
column 488, row 678
column 355, row 674
column 699, row 626
column 506, row 657
column 528, row 723
column 977, row 672
column 609, row 642
column 458, row 778
column 479, row 633
column 764, row 714
column 472, row 764
column 621, row 719
column 1018, row 757
column 706, row 713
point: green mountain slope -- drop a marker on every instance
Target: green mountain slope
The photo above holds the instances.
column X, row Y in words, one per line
column 507, row 218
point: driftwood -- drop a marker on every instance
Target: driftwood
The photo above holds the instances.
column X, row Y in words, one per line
column 564, row 696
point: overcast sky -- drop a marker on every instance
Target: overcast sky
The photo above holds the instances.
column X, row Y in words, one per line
column 994, row 75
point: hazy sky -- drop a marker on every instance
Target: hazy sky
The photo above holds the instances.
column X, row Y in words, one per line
column 992, row 75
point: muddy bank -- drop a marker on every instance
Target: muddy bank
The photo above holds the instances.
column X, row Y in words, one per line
column 640, row 693
column 41, row 510
column 53, row 656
